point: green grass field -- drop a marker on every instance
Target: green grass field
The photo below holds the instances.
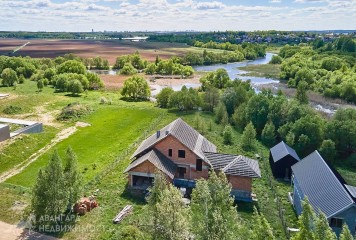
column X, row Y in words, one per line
column 112, row 130
column 264, row 70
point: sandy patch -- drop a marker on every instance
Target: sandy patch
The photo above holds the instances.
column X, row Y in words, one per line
column 15, row 232
column 82, row 124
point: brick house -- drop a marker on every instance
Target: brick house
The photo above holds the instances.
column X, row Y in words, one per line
column 184, row 155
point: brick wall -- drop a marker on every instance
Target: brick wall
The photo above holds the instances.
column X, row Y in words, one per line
column 240, row 183
column 189, row 161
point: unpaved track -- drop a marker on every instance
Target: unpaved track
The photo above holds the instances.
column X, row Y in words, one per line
column 20, row 167
column 13, row 232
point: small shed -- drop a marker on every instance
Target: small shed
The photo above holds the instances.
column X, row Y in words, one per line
column 281, row 159
column 4, row 132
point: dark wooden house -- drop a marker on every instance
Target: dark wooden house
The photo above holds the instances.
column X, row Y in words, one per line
column 281, row 159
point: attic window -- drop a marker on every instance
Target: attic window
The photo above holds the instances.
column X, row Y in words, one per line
column 336, row 222
column 181, row 153
column 170, row 152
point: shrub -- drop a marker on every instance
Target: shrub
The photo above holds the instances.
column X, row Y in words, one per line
column 12, row 110
column 276, row 60
column 73, row 111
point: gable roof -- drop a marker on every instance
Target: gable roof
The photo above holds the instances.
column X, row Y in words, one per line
column 281, row 150
column 236, row 165
column 184, row 133
column 322, row 187
column 158, row 160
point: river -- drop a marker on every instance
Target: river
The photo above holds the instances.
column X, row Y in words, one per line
column 234, row 71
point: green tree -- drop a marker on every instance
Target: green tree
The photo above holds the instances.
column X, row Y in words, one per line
column 128, row 69
column 257, row 111
column 262, row 230
column 21, row 79
column 9, row 77
column 276, row 60
column 306, row 222
column 136, row 87
column 211, row 98
column 40, row 85
column 75, row 87
column 172, row 216
column 221, row 114
column 71, row 66
column 227, row 135
column 269, row 134
column 301, row 94
column 248, row 137
column 327, row 150
column 212, row 208
column 342, row 130
column 94, row 81
column 345, row 233
column 73, row 178
column 49, row 193
column 185, row 99
column 322, row 229
column 163, row 97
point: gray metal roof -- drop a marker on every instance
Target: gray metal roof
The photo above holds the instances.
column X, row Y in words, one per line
column 281, row 150
column 351, row 189
column 158, row 159
column 183, row 133
column 234, row 164
column 319, row 183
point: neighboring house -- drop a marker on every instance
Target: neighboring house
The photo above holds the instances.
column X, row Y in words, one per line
column 281, row 159
column 326, row 191
column 184, row 155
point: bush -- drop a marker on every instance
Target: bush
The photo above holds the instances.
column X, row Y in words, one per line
column 73, row 111
column 276, row 60
column 136, row 87
column 163, row 97
column 12, row 110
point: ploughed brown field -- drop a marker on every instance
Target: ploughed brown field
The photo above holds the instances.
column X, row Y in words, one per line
column 108, row 49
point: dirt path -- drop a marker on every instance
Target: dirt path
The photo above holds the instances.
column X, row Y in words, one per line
column 14, row 232
column 20, row 167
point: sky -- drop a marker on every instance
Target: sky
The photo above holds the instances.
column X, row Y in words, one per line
column 176, row 15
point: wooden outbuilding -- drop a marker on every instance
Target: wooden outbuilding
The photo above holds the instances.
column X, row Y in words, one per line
column 281, row 159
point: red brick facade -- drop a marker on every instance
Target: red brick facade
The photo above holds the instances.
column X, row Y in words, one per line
column 189, row 162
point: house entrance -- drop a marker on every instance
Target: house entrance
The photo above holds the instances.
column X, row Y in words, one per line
column 181, row 172
column 141, row 182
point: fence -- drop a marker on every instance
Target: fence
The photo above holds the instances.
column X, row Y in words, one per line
column 124, row 154
column 279, row 204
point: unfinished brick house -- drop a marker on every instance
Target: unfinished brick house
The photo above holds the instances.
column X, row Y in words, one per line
column 184, row 155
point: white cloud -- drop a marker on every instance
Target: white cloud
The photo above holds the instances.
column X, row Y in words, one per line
column 209, row 5
column 171, row 15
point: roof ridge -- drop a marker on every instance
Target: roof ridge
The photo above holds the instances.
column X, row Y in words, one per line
column 231, row 163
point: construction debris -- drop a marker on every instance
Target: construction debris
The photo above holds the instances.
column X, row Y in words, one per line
column 124, row 212
column 85, row 205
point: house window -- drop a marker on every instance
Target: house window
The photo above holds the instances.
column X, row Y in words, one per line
column 336, row 222
column 170, row 152
column 181, row 153
column 181, row 172
column 199, row 166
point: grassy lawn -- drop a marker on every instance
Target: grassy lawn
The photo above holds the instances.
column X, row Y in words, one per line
column 23, row 146
column 112, row 129
column 264, row 70
column 13, row 201
column 347, row 169
column 113, row 196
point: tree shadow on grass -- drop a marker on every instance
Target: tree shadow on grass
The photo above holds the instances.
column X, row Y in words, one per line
column 129, row 99
column 134, row 196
